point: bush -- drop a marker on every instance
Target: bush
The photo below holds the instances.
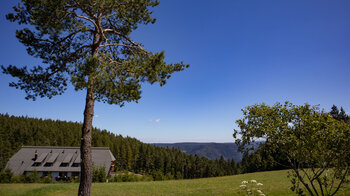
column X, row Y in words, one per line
column 147, row 178
column 32, row 177
column 99, row 175
column 76, row 180
column 117, row 178
column 157, row 175
column 47, row 179
column 178, row 175
column 131, row 177
column 18, row 179
column 168, row 176
column 6, row 176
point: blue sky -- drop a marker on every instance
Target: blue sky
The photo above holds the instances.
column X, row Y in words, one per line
column 241, row 53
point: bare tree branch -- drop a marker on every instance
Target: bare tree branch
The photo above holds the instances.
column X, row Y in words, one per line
column 341, row 182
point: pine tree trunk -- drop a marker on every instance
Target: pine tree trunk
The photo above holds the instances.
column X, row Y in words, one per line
column 85, row 148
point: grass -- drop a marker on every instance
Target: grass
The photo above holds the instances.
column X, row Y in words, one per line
column 275, row 183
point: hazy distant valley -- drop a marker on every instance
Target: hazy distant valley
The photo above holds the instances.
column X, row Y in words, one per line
column 210, row 150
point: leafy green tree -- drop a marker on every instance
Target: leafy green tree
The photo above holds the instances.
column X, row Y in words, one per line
column 88, row 43
column 262, row 159
column 315, row 144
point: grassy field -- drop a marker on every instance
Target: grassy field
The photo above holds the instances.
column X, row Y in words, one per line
column 275, row 183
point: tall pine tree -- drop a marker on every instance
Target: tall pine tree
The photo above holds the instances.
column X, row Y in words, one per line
column 88, row 43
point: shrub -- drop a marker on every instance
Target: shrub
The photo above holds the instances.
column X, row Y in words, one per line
column 131, row 177
column 157, row 175
column 76, row 180
column 46, row 179
column 168, row 176
column 147, row 178
column 6, row 176
column 99, row 174
column 32, row 177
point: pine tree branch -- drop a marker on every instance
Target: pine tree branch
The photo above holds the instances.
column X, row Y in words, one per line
column 83, row 17
column 116, row 44
column 126, row 38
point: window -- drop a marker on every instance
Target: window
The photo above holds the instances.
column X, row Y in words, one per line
column 45, row 173
column 75, row 174
column 63, row 174
column 64, row 165
column 76, row 165
column 48, row 164
column 36, row 164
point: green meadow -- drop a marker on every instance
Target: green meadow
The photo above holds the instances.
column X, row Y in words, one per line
column 274, row 183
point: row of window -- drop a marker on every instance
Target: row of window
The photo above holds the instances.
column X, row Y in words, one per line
column 62, row 174
column 51, row 164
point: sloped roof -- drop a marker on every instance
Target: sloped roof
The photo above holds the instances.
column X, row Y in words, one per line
column 24, row 159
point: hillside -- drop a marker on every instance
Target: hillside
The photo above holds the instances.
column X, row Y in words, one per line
column 210, row 150
column 130, row 153
column 275, row 183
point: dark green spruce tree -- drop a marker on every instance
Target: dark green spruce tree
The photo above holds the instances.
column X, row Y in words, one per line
column 334, row 112
column 339, row 115
column 87, row 43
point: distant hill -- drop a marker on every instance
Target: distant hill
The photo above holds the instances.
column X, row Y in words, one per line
column 210, row 150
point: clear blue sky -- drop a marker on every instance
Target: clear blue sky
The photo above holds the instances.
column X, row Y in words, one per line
column 241, row 53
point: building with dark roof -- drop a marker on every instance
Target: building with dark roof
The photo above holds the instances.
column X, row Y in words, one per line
column 59, row 162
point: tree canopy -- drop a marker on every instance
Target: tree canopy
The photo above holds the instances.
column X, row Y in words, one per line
column 81, row 38
column 313, row 142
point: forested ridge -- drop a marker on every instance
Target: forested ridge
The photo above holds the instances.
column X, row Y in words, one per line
column 210, row 150
column 130, row 153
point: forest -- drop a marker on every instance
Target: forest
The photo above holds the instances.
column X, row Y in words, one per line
column 134, row 156
column 131, row 154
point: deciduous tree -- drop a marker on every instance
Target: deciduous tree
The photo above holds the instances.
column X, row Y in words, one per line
column 87, row 43
column 315, row 144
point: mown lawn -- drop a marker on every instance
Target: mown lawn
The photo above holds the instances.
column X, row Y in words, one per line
column 275, row 183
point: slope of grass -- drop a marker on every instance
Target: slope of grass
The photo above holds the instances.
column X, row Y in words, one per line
column 275, row 183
